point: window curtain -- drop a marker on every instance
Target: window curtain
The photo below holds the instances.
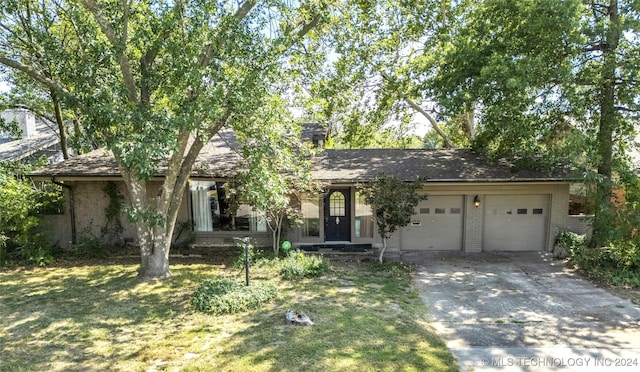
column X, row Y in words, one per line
column 201, row 209
column 258, row 222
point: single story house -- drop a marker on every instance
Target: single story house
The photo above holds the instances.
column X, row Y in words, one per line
column 472, row 205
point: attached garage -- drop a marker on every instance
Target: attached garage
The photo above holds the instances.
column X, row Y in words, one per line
column 515, row 222
column 437, row 225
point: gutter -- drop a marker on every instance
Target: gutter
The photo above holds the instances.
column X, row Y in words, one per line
column 72, row 209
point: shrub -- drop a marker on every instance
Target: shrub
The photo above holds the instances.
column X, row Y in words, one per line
column 20, row 204
column 36, row 250
column 617, row 264
column 571, row 243
column 298, row 265
column 89, row 246
column 228, row 296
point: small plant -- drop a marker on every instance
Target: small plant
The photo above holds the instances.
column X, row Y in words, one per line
column 229, row 296
column 569, row 243
column 238, row 263
column 298, row 265
column 36, row 250
column 393, row 201
column 90, row 246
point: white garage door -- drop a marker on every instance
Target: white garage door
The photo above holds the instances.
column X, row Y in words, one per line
column 437, row 225
column 515, row 222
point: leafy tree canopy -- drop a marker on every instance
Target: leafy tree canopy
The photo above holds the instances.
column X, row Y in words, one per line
column 155, row 80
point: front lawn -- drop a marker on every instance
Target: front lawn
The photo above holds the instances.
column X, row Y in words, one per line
column 98, row 316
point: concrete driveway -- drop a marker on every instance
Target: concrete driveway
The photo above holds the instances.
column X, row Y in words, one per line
column 526, row 312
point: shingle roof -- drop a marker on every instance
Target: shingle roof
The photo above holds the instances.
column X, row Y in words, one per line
column 217, row 160
column 18, row 149
column 428, row 165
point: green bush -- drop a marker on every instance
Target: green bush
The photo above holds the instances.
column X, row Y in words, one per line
column 573, row 243
column 228, row 296
column 298, row 265
column 20, row 202
column 89, row 246
column 36, row 250
column 617, row 264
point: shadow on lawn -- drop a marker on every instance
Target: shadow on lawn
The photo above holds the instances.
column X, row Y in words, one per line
column 80, row 318
column 356, row 327
column 346, row 344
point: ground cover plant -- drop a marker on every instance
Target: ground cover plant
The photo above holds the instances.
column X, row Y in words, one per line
column 99, row 316
column 616, row 266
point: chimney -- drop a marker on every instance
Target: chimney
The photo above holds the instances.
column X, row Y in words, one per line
column 25, row 119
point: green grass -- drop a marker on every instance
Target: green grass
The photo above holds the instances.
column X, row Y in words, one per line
column 100, row 317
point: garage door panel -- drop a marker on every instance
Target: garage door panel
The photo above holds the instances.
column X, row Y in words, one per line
column 515, row 222
column 437, row 224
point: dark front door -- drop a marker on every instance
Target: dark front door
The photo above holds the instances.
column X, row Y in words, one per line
column 337, row 219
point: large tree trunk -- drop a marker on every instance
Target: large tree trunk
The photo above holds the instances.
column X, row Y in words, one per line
column 157, row 266
column 154, row 237
column 608, row 117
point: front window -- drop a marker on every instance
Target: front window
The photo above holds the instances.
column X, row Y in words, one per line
column 364, row 218
column 310, row 216
column 214, row 209
column 337, row 206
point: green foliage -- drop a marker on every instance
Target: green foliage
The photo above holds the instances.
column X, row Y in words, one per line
column 254, row 255
column 549, row 77
column 21, row 203
column 627, row 219
column 10, row 127
column 37, row 250
column 278, row 169
column 617, row 264
column 89, row 246
column 572, row 242
column 362, row 93
column 229, row 296
column 155, row 81
column 113, row 211
column 393, row 202
column 4, row 257
column 298, row 265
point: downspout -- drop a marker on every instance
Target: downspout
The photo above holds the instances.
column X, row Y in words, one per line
column 72, row 213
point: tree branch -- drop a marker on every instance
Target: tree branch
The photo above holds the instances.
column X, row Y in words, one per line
column 447, row 142
column 239, row 15
column 119, row 45
column 147, row 60
column 626, row 109
column 50, row 83
column 244, row 9
column 309, row 26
